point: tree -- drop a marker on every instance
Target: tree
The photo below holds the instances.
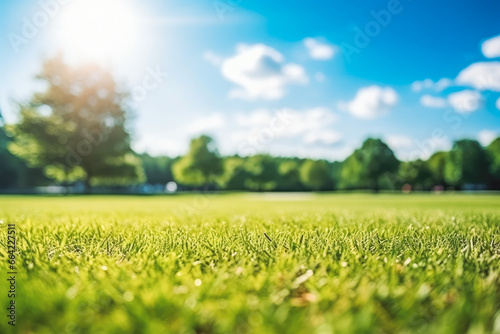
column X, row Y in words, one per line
column 467, row 163
column 262, row 172
column 9, row 169
column 335, row 172
column 289, row 175
column 416, row 173
column 76, row 128
column 234, row 175
column 13, row 171
column 314, row 174
column 366, row 165
column 494, row 154
column 201, row 165
column 436, row 165
column 158, row 170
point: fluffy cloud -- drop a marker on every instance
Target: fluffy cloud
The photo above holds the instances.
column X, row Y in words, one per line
column 417, row 86
column 439, row 85
column 212, row 58
column 371, row 102
column 325, row 137
column 485, row 137
column 465, row 101
column 442, row 84
column 314, row 124
column 408, row 148
column 158, row 144
column 311, row 126
column 319, row 50
column 425, row 148
column 491, row 47
column 319, row 76
column 256, row 118
column 433, row 101
column 210, row 123
column 261, row 72
column 399, row 141
column 481, row 76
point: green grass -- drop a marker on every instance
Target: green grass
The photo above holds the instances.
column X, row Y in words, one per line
column 195, row 264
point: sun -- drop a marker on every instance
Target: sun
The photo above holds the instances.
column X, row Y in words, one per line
column 98, row 30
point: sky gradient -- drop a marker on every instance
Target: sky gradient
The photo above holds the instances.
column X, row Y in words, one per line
column 308, row 79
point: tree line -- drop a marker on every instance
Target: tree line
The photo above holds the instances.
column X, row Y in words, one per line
column 76, row 130
column 373, row 166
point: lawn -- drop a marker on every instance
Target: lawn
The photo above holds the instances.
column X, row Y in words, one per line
column 254, row 263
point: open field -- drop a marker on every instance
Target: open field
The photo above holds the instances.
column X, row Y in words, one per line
column 194, row 264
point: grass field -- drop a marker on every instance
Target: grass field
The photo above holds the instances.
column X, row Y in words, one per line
column 254, row 263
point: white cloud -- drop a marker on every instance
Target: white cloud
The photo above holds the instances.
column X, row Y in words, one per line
column 320, row 77
column 417, row 86
column 210, row 123
column 312, row 120
column 371, row 102
column 491, row 47
column 425, row 148
column 212, row 58
column 485, row 137
column 256, row 118
column 407, row 148
column 482, row 76
column 325, row 137
column 319, row 50
column 311, row 126
column 261, row 72
column 399, row 141
column 438, row 86
column 433, row 101
column 158, row 144
column 442, row 84
column 300, row 121
column 465, row 101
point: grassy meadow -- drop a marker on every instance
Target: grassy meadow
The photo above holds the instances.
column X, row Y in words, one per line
column 254, row 263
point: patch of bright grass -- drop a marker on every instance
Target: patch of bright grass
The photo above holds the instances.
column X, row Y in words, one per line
column 254, row 263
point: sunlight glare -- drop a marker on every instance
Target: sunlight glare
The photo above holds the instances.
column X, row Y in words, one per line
column 98, row 30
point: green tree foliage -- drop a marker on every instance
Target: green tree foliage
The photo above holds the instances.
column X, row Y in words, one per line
column 13, row 172
column 262, row 172
column 234, row 175
column 289, row 175
column 201, row 165
column 158, row 170
column 436, row 165
column 416, row 173
column 314, row 174
column 335, row 172
column 75, row 129
column 467, row 163
column 494, row 154
column 366, row 165
column 9, row 172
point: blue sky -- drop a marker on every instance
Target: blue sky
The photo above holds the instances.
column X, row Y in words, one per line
column 311, row 79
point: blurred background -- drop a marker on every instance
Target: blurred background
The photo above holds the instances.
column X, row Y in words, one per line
column 125, row 96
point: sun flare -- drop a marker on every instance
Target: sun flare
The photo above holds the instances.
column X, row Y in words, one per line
column 98, row 30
